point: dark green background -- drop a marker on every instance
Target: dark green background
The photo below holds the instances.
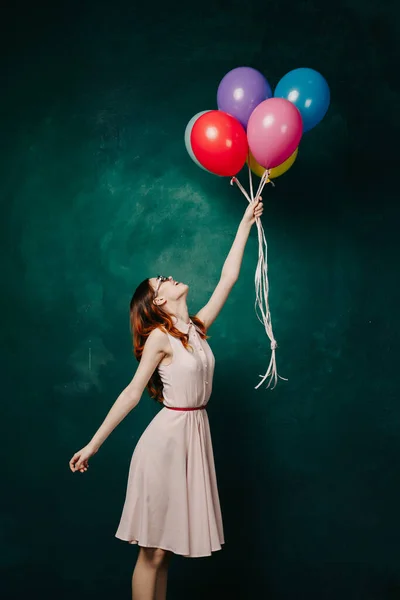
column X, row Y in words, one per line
column 98, row 192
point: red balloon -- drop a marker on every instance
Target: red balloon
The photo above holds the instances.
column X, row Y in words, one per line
column 219, row 143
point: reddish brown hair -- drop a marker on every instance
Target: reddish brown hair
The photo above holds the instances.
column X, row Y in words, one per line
column 145, row 316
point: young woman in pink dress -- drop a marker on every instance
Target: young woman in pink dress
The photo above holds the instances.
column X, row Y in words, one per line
column 172, row 503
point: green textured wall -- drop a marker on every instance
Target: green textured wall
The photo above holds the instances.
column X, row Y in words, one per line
column 97, row 193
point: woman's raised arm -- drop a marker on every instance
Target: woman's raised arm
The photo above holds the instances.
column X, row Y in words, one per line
column 232, row 265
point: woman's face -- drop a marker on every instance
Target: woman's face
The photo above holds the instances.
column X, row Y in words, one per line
column 169, row 289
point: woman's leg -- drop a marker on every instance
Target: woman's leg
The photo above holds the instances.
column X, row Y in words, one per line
column 145, row 573
column 162, row 578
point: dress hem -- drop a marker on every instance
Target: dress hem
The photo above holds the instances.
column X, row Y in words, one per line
column 133, row 542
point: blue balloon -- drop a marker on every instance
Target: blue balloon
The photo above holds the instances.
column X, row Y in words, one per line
column 308, row 91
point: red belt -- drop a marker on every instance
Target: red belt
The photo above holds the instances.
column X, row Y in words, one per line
column 188, row 408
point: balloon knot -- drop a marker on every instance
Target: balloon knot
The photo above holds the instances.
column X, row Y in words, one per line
column 233, row 180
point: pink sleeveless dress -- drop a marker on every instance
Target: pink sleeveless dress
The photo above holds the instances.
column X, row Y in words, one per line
column 172, row 497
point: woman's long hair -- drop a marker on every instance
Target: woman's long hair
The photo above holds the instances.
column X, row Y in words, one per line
column 145, row 316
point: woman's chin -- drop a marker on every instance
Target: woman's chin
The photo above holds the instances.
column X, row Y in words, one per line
column 184, row 289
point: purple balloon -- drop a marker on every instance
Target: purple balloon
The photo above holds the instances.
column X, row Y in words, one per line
column 240, row 91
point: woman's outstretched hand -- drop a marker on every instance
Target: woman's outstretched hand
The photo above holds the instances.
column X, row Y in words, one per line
column 79, row 461
column 253, row 211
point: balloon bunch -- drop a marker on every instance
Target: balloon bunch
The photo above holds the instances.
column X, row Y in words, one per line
column 264, row 129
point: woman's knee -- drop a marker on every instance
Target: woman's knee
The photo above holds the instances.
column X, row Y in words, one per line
column 155, row 556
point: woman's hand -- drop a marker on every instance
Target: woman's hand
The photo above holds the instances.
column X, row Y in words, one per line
column 79, row 461
column 253, row 211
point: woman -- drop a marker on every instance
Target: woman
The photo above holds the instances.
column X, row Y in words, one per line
column 172, row 503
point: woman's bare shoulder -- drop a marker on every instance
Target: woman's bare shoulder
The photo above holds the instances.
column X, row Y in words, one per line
column 159, row 338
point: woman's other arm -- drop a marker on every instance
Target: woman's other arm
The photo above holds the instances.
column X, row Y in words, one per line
column 153, row 352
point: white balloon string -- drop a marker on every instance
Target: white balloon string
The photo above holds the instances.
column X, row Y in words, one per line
column 262, row 289
column 241, row 188
column 250, row 177
column 264, row 179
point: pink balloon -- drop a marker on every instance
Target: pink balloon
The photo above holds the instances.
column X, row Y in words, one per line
column 274, row 131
